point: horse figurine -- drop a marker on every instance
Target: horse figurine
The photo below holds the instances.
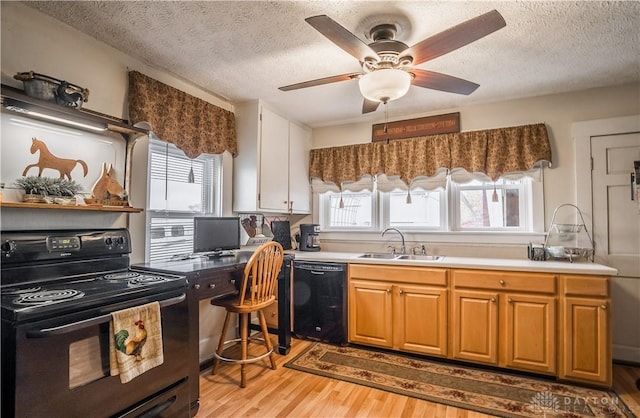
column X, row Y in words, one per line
column 48, row 160
column 107, row 187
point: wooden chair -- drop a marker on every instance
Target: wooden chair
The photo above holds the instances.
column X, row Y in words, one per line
column 257, row 291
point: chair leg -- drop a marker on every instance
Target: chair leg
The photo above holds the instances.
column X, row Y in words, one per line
column 267, row 340
column 216, row 361
column 244, row 337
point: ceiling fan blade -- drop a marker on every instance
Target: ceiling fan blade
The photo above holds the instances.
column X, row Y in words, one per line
column 442, row 82
column 320, row 81
column 455, row 37
column 342, row 37
column 369, row 106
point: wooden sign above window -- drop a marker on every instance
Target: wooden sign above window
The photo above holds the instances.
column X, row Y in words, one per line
column 430, row 125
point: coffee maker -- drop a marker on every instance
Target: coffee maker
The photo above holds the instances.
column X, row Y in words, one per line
column 309, row 237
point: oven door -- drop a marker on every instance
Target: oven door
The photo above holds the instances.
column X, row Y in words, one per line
column 62, row 367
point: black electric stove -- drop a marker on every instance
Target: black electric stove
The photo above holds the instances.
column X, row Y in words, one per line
column 58, row 291
column 48, row 273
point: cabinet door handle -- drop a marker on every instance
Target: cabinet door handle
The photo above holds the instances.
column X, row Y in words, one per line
column 388, row 290
column 502, row 282
column 196, row 286
column 510, row 300
column 604, row 307
column 493, row 300
column 212, row 285
column 232, row 281
column 400, row 292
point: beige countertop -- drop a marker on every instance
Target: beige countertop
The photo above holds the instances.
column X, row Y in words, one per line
column 577, row 267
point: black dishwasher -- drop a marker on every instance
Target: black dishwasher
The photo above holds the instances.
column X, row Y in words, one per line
column 319, row 301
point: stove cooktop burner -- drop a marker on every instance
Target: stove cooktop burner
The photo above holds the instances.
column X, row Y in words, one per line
column 143, row 280
column 123, row 275
column 20, row 291
column 48, row 296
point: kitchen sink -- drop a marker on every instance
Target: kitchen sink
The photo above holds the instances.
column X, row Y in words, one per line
column 419, row 257
column 383, row 256
column 390, row 256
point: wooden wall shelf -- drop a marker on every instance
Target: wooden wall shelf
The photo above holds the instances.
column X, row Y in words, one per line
column 23, row 205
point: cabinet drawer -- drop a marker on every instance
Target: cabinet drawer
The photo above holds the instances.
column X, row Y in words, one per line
column 505, row 280
column 215, row 286
column 417, row 275
column 585, row 286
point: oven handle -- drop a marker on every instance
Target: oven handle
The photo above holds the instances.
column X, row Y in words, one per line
column 75, row 326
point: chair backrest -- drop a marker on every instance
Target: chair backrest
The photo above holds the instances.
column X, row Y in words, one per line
column 261, row 274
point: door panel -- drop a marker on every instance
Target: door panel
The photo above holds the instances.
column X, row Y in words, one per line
column 370, row 313
column 530, row 335
column 421, row 319
column 475, row 326
column 616, row 234
column 615, row 216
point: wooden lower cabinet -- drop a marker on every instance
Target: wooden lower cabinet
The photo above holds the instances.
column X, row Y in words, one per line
column 420, row 319
column 537, row 322
column 370, row 313
column 475, row 326
column 586, row 330
column 401, row 308
column 507, row 323
column 529, row 336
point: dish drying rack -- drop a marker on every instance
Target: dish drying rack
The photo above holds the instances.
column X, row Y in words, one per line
column 566, row 241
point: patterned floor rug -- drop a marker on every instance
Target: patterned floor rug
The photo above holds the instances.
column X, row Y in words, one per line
column 486, row 391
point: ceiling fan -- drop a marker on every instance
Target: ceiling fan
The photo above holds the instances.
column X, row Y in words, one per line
column 388, row 64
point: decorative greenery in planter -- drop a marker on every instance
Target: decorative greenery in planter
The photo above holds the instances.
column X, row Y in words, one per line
column 47, row 187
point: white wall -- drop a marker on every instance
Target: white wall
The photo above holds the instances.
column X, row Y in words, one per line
column 557, row 111
column 34, row 41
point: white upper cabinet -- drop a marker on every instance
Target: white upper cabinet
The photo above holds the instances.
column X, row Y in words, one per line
column 271, row 171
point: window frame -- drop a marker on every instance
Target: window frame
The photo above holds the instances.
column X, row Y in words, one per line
column 534, row 214
column 211, row 198
column 524, row 204
column 325, row 211
column 385, row 221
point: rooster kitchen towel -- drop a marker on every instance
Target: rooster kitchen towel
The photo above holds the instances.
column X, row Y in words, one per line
column 136, row 343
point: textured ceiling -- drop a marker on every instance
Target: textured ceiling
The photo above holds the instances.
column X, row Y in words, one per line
column 243, row 50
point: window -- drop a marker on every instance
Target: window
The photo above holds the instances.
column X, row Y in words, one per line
column 173, row 200
column 423, row 209
column 505, row 205
column 491, row 206
column 355, row 212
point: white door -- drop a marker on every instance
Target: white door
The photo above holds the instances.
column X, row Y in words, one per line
column 614, row 146
column 616, row 213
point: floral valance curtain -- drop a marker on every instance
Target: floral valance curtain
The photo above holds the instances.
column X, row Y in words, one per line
column 190, row 123
column 423, row 161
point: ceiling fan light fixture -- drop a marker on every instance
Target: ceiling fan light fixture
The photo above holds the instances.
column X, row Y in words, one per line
column 385, row 84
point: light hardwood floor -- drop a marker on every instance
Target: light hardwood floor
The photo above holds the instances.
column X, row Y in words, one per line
column 290, row 393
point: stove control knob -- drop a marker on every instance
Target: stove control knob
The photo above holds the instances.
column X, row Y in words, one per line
column 120, row 240
column 8, row 246
column 108, row 241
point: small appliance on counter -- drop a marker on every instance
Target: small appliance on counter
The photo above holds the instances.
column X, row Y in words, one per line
column 308, row 238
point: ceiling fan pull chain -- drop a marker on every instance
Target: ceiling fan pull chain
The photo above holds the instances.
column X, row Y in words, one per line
column 386, row 118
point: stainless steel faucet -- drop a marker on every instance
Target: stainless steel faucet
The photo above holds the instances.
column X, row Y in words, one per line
column 402, row 249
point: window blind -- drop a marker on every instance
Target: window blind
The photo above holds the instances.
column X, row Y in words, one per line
column 173, row 201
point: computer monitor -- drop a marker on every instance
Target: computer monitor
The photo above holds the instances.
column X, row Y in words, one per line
column 215, row 235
